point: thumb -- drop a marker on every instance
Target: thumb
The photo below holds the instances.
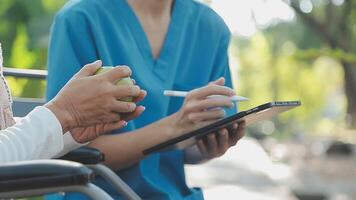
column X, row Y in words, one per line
column 89, row 69
column 219, row 81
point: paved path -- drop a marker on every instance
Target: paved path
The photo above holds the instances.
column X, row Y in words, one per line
column 245, row 172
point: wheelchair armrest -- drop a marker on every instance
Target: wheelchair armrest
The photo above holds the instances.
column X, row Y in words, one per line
column 85, row 155
column 30, row 175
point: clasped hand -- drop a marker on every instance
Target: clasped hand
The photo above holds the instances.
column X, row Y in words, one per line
column 88, row 104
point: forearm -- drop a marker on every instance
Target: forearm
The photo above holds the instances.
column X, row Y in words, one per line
column 37, row 136
column 124, row 150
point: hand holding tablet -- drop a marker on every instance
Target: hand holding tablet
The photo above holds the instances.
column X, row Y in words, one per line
column 251, row 116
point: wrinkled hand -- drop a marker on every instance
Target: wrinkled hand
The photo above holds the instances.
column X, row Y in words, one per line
column 199, row 110
column 88, row 100
column 216, row 144
column 86, row 134
column 82, row 135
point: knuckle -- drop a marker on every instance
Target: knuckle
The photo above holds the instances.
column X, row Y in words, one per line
column 221, row 113
column 86, row 65
column 135, row 90
column 100, row 80
column 127, row 107
column 108, row 84
column 107, row 89
column 191, row 117
column 188, row 107
column 121, row 71
column 228, row 102
column 213, row 101
column 213, row 87
column 117, row 117
column 106, row 118
column 201, row 90
column 108, row 103
column 190, row 95
column 130, row 107
column 110, row 117
column 130, row 91
column 125, row 70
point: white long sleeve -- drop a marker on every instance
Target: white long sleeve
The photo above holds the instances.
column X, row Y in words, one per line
column 36, row 136
column 69, row 144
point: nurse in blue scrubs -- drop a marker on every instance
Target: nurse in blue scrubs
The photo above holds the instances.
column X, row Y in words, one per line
column 169, row 44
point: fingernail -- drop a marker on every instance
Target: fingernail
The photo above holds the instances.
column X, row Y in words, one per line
column 125, row 123
column 98, row 61
column 143, row 108
column 132, row 106
column 127, row 70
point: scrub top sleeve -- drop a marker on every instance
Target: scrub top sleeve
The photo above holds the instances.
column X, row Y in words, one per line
column 71, row 47
column 221, row 62
column 222, row 67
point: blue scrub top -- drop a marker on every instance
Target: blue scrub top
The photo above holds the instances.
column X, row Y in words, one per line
column 193, row 54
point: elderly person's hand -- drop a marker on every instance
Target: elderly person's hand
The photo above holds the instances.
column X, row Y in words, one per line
column 89, row 100
column 83, row 135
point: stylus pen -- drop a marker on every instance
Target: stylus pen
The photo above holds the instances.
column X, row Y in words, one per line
column 183, row 94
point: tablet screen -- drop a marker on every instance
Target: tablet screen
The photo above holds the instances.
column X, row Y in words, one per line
column 254, row 115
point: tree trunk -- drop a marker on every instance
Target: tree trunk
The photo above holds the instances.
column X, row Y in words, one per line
column 350, row 91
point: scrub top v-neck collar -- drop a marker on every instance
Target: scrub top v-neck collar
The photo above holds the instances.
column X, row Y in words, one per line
column 167, row 57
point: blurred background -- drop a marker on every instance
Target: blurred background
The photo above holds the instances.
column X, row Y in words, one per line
column 281, row 50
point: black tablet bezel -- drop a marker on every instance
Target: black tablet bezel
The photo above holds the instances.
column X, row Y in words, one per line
column 220, row 124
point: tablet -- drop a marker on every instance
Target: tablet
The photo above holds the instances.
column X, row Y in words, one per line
column 259, row 113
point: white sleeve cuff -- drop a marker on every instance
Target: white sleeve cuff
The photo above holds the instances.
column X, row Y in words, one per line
column 69, row 144
column 49, row 117
column 50, row 126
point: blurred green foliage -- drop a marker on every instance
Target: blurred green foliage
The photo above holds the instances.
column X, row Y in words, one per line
column 333, row 22
column 267, row 73
column 24, row 30
column 311, row 58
